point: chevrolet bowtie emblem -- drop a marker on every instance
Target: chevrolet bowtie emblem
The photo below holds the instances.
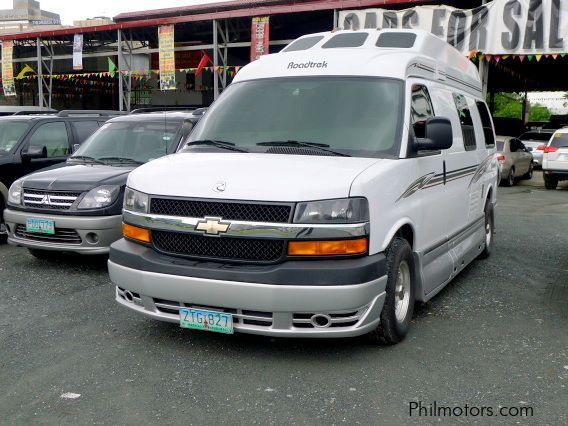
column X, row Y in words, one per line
column 212, row 226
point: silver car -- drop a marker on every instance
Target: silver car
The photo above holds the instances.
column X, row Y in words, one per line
column 535, row 141
column 515, row 160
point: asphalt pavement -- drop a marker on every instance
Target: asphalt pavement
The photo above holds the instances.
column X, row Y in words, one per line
column 496, row 337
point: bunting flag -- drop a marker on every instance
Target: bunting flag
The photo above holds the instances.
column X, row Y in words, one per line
column 27, row 69
column 111, row 67
column 205, row 59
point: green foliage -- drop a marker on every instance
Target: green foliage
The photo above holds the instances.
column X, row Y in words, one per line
column 539, row 113
column 510, row 105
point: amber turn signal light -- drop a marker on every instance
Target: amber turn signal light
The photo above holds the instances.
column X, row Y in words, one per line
column 328, row 248
column 135, row 233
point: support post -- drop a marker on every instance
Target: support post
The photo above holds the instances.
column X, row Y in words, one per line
column 335, row 18
column 484, row 75
column 44, row 72
column 124, row 72
column 215, row 59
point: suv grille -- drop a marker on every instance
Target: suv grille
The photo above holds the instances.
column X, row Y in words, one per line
column 229, row 211
column 61, row 236
column 49, row 200
column 222, row 248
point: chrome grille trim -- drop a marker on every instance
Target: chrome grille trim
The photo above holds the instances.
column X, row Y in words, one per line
column 49, row 199
column 286, row 231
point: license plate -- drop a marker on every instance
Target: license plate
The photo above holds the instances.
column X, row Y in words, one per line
column 199, row 319
column 40, row 226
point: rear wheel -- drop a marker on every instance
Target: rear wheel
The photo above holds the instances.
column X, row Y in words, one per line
column 399, row 302
column 529, row 174
column 510, row 181
column 489, row 230
column 550, row 182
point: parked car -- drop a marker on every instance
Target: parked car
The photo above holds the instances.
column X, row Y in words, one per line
column 515, row 161
column 328, row 188
column 76, row 206
column 25, row 110
column 535, row 141
column 555, row 159
column 32, row 142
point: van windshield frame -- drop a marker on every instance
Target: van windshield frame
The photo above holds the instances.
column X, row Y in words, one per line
column 343, row 113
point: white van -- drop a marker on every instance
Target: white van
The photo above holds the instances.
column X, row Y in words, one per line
column 330, row 187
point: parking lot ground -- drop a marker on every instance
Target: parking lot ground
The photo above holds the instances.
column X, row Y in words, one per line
column 497, row 336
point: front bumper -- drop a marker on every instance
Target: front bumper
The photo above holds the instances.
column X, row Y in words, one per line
column 278, row 302
column 95, row 233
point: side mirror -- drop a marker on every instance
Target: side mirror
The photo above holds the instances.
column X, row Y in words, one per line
column 529, row 149
column 34, row 151
column 438, row 135
column 76, row 146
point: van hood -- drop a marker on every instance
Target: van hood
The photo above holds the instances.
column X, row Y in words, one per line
column 77, row 178
column 259, row 177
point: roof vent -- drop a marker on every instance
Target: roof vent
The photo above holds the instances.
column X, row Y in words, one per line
column 396, row 40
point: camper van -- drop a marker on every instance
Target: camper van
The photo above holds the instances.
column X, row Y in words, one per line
column 329, row 188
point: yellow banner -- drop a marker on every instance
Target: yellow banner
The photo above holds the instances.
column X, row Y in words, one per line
column 8, row 69
column 167, row 57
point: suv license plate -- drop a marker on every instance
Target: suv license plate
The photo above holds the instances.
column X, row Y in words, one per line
column 40, row 226
column 199, row 319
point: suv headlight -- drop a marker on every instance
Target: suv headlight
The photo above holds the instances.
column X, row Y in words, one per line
column 342, row 210
column 15, row 193
column 97, row 198
column 135, row 201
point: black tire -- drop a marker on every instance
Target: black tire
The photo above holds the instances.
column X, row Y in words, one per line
column 510, row 181
column 550, row 182
column 44, row 254
column 3, row 233
column 489, row 230
column 529, row 174
column 392, row 330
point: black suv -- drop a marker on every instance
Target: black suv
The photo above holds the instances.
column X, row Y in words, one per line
column 33, row 142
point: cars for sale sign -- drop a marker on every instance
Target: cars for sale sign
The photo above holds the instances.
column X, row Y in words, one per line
column 260, row 37
column 8, row 69
column 167, row 57
column 501, row 27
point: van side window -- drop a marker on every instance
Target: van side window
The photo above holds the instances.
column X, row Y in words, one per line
column 466, row 123
column 420, row 109
column 486, row 123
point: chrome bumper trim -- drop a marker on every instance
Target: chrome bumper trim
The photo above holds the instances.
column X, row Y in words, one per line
column 249, row 229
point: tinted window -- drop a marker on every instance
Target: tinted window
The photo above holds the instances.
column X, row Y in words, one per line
column 355, row 115
column 559, row 140
column 303, row 44
column 464, row 115
column 515, row 145
column 420, row 109
column 486, row 123
column 500, row 146
column 535, row 136
column 54, row 137
column 84, row 129
column 10, row 134
column 399, row 40
column 138, row 141
column 346, row 40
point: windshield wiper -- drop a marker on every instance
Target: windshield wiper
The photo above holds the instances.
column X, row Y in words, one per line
column 121, row 160
column 85, row 158
column 320, row 146
column 219, row 144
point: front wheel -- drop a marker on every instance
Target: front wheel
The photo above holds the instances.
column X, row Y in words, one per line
column 399, row 302
column 3, row 230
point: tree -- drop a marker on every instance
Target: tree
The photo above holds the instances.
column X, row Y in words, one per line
column 539, row 113
column 508, row 105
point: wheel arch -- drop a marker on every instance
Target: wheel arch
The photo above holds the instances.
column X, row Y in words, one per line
column 403, row 228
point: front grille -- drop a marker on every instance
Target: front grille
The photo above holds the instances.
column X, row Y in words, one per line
column 49, row 199
column 223, row 248
column 61, row 236
column 227, row 210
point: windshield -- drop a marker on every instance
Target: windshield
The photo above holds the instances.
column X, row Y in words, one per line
column 349, row 115
column 535, row 136
column 136, row 141
column 10, row 134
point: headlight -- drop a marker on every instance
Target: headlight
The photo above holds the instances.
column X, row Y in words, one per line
column 102, row 196
column 343, row 210
column 15, row 193
column 135, row 201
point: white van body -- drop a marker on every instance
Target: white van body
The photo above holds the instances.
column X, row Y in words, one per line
column 436, row 201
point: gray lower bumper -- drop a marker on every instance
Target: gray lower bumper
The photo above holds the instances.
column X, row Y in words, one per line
column 106, row 228
column 353, row 309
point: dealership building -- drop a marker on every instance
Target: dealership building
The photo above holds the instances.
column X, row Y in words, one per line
column 188, row 55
